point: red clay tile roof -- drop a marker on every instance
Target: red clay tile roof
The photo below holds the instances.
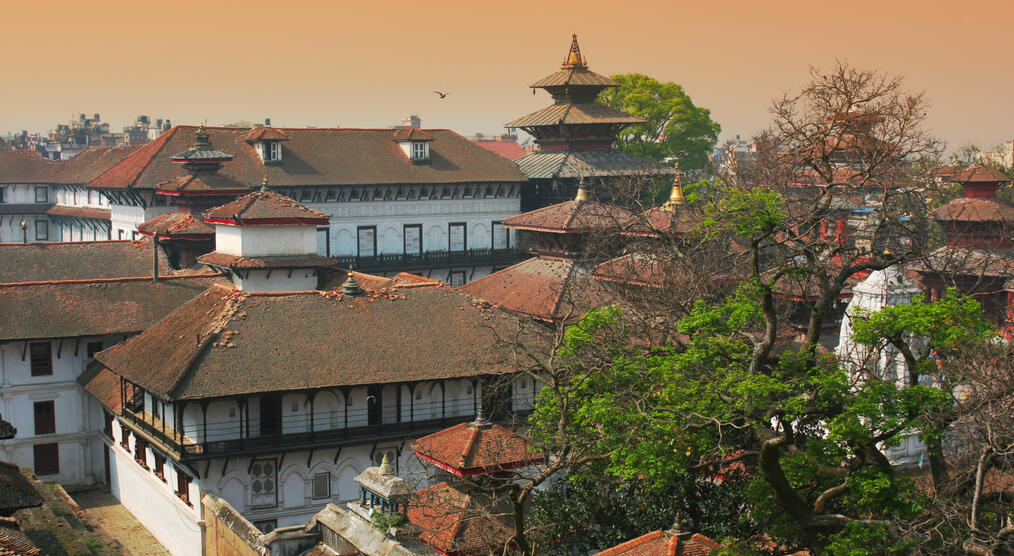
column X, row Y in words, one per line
column 968, row 209
column 228, row 342
column 658, row 219
column 317, row 157
column 264, row 207
column 177, row 224
column 575, row 114
column 977, row 173
column 507, row 149
column 637, row 269
column 222, row 260
column 83, row 260
column 266, row 134
column 92, row 308
column 407, row 280
column 570, row 217
column 454, row 522
column 14, row 542
column 412, row 134
column 104, row 385
column 16, row 491
column 664, row 543
column 202, row 183
column 469, row 449
column 546, row 288
column 30, row 167
column 80, row 212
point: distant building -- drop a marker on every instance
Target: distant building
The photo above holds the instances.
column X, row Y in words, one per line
column 504, row 145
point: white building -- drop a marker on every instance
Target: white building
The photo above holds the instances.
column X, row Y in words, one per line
column 274, row 396
column 424, row 201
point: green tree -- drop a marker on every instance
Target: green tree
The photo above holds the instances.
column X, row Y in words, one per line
column 675, row 127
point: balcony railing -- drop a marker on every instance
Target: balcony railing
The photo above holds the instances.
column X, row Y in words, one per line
column 433, row 259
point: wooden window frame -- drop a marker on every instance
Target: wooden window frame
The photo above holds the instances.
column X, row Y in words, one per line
column 40, row 367
column 43, row 227
column 451, row 274
column 159, row 468
column 464, row 236
column 404, row 238
column 359, row 252
column 45, row 194
column 183, row 482
column 48, row 424
column 107, row 426
column 55, row 459
column 492, row 236
column 141, row 452
column 313, row 486
column 125, row 438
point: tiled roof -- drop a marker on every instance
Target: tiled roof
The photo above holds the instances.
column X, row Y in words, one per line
column 657, row 219
column 968, row 209
column 30, row 167
column 571, row 217
column 317, row 157
column 407, row 280
column 454, row 522
column 583, row 113
column 638, row 269
column 176, row 224
column 91, row 308
column 228, row 342
column 411, row 134
column 545, row 288
column 104, row 385
column 968, row 262
column 202, row 183
column 266, row 134
column 578, row 163
column 13, row 542
column 507, row 149
column 472, row 448
column 16, row 491
column 222, row 260
column 264, row 207
column 85, row 260
column 80, row 212
column 664, row 543
column 977, row 173
column 577, row 76
column 25, row 208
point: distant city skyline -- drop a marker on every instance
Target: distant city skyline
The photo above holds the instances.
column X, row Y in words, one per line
column 326, row 64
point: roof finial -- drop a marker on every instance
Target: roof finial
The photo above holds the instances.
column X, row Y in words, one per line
column 385, row 466
column 264, row 183
column 574, row 60
column 582, row 192
column 351, row 287
column 480, row 421
column 201, row 138
column 676, row 196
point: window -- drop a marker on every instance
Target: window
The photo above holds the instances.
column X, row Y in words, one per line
column 367, row 241
column 263, row 483
column 92, row 348
column 159, row 469
column 41, row 230
column 419, row 150
column 274, row 151
column 457, row 240
column 133, row 235
column 41, row 194
column 413, row 239
column 107, row 427
column 322, row 485
column 500, row 237
column 183, row 487
column 141, row 452
column 47, row 459
column 45, row 417
column 119, row 234
column 457, row 278
column 3, row 194
column 125, row 438
column 42, row 358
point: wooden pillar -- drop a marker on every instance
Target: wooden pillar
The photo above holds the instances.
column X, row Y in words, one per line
column 443, row 400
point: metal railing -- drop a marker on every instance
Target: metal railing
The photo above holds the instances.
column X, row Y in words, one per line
column 432, row 259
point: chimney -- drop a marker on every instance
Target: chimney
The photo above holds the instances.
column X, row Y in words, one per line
column 267, row 122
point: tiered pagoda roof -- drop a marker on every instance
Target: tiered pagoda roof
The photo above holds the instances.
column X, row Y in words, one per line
column 476, row 447
column 264, row 207
column 979, row 219
column 666, row 543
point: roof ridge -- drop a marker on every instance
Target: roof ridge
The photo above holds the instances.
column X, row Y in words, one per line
column 469, row 444
column 623, row 547
column 560, row 295
column 161, row 277
column 223, row 318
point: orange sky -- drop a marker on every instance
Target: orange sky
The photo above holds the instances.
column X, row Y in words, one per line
column 368, row 64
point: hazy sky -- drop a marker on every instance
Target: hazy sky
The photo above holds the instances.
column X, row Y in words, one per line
column 368, row 64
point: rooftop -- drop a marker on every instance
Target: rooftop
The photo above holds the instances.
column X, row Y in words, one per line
column 264, row 207
column 183, row 225
column 664, row 543
column 587, row 163
column 476, row 447
column 570, row 217
column 30, row 167
column 454, row 522
column 83, row 260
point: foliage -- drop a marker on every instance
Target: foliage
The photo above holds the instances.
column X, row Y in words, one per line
column 385, row 520
column 675, row 127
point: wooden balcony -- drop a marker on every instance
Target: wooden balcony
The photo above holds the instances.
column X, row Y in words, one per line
column 433, row 259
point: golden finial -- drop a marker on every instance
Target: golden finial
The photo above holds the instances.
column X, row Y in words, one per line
column 201, row 138
column 264, row 183
column 582, row 192
column 385, row 466
column 676, row 196
column 574, row 60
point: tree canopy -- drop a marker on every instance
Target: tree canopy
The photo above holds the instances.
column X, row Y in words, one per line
column 675, row 127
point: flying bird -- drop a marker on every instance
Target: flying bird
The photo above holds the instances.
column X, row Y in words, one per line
column 442, row 95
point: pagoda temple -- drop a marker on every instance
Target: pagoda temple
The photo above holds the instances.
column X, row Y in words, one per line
column 978, row 258
column 575, row 135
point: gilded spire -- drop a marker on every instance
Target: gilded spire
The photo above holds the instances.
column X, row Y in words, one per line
column 676, row 196
column 582, row 192
column 385, row 466
column 351, row 287
column 574, row 60
column 264, row 183
column 201, row 138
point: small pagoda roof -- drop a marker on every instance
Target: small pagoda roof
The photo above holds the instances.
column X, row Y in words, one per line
column 583, row 113
column 975, row 209
column 659, row 220
column 202, row 183
column 574, row 72
column 587, row 163
column 235, row 262
column 412, row 134
column 178, row 225
column 454, row 521
column 665, row 542
column 264, row 207
column 202, row 152
column 266, row 134
column 384, row 481
column 570, row 217
column 978, row 173
column 476, row 447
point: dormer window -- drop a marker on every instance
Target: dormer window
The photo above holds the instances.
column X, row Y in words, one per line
column 420, row 150
column 270, row 151
column 415, row 143
column 267, row 141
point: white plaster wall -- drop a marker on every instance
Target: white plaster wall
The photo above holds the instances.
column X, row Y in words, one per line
column 25, row 193
column 302, row 279
column 261, row 241
column 10, row 228
column 125, row 218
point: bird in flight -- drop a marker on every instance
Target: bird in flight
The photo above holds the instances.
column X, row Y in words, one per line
column 442, row 95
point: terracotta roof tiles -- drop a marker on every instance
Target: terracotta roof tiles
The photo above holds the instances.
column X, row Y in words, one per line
column 977, row 173
column 570, row 217
column 971, row 209
column 454, row 522
column 266, row 134
column 664, row 543
column 16, row 491
column 30, row 167
column 38, row 262
column 471, row 448
column 412, row 134
column 202, row 183
column 177, row 224
column 80, row 212
column 264, row 207
column 222, row 260
column 507, row 149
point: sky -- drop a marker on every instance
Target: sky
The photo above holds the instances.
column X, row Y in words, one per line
column 330, row 63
